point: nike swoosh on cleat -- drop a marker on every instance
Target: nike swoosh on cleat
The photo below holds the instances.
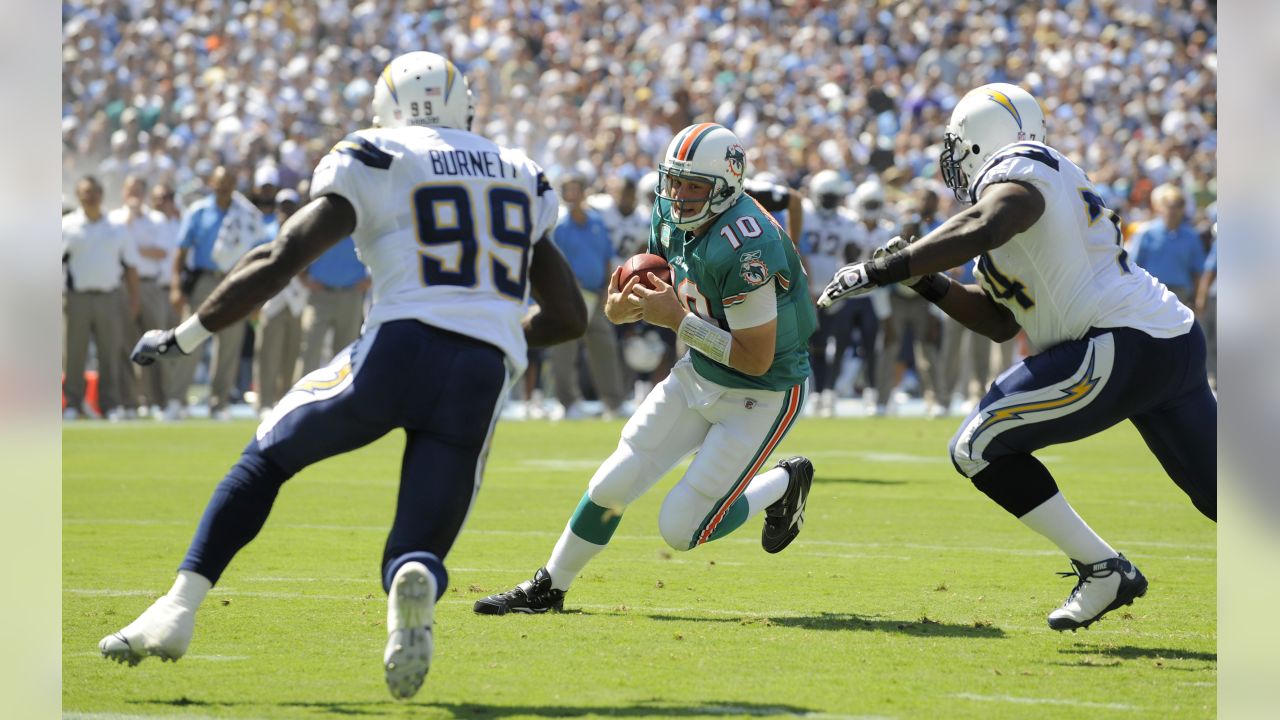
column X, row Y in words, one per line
column 1131, row 573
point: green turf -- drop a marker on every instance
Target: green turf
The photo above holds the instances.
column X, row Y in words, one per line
column 908, row 594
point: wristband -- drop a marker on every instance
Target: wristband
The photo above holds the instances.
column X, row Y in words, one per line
column 888, row 269
column 933, row 287
column 190, row 334
column 706, row 338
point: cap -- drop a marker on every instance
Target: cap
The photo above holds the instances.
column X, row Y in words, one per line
column 288, row 195
column 266, row 175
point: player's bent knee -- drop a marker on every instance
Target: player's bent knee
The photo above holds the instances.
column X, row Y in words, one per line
column 962, row 456
column 680, row 516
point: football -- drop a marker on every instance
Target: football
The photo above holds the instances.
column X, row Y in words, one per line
column 642, row 265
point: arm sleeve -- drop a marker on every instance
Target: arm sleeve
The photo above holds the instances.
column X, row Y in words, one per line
column 546, row 206
column 759, row 307
column 1031, row 164
column 359, row 171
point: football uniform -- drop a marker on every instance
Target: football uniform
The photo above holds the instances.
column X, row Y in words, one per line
column 446, row 221
column 1114, row 343
column 830, row 239
column 733, row 421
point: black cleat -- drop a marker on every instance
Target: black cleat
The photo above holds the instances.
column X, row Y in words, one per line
column 784, row 518
column 529, row 597
column 1101, row 588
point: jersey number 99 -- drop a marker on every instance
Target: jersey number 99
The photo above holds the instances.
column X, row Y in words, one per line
column 451, row 250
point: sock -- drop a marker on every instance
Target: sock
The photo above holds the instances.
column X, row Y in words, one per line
column 587, row 533
column 1056, row 520
column 189, row 589
column 766, row 489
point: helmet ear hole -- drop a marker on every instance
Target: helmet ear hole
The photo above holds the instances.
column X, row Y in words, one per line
column 976, row 150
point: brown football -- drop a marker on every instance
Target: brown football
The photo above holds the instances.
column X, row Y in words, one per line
column 642, row 265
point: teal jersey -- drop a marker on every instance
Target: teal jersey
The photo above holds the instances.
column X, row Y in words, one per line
column 740, row 251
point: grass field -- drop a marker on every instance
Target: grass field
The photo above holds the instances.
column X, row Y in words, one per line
column 908, row 595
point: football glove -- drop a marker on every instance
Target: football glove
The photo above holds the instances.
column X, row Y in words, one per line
column 897, row 244
column 156, row 344
column 850, row 281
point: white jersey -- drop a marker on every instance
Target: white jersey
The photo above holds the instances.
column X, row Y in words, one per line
column 828, row 241
column 628, row 233
column 446, row 221
column 1068, row 273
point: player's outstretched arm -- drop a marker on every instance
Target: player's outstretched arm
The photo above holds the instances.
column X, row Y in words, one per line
column 257, row 277
column 265, row 270
column 561, row 315
column 1005, row 209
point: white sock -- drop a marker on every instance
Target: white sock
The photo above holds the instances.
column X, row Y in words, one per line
column 189, row 589
column 1055, row 519
column 766, row 489
column 569, row 557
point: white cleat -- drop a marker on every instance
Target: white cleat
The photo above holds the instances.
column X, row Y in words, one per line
column 1101, row 588
column 163, row 630
column 411, row 607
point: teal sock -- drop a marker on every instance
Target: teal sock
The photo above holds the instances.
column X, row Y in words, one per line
column 593, row 523
column 738, row 513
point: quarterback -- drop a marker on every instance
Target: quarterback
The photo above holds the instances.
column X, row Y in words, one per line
column 739, row 299
column 1111, row 342
column 453, row 228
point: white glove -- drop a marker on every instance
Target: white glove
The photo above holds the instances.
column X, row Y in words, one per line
column 850, row 281
column 897, row 244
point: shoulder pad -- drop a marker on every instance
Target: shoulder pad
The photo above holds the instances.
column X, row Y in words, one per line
column 362, row 149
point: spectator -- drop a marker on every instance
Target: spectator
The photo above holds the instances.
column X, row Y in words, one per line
column 583, row 238
column 216, row 230
column 337, row 282
column 870, row 318
column 1206, row 307
column 1168, row 246
column 155, row 251
column 280, row 329
column 167, row 221
column 99, row 257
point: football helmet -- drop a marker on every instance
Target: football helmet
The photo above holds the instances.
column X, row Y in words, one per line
column 985, row 120
column 422, row 88
column 827, row 189
column 647, row 187
column 868, row 201
column 708, row 153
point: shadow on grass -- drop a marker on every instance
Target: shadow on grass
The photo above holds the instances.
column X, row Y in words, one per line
column 921, row 627
column 826, row 479
column 1129, row 652
column 480, row 710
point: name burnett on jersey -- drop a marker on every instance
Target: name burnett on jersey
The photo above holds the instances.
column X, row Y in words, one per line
column 469, row 162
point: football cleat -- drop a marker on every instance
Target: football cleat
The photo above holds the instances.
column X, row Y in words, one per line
column 411, row 606
column 1101, row 588
column 784, row 518
column 529, row 597
column 163, row 630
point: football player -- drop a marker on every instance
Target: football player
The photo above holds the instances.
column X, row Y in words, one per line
column 1111, row 343
column 739, row 299
column 453, row 228
column 829, row 240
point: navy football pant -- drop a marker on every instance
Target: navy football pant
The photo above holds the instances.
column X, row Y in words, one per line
column 1082, row 387
column 445, row 390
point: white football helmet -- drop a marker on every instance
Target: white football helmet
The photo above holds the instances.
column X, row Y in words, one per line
column 422, row 88
column 647, row 187
column 985, row 120
column 868, row 201
column 827, row 190
column 709, row 153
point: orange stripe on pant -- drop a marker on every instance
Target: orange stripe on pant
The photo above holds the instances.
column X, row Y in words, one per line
column 792, row 406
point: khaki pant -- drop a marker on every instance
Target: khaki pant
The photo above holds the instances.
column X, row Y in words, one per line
column 154, row 312
column 96, row 313
column 226, row 351
column 340, row 310
column 969, row 362
column 906, row 313
column 279, row 345
column 602, row 359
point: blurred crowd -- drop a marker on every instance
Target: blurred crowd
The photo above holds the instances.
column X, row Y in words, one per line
column 169, row 91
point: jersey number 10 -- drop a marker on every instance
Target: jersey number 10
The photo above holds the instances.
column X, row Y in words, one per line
column 451, row 250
